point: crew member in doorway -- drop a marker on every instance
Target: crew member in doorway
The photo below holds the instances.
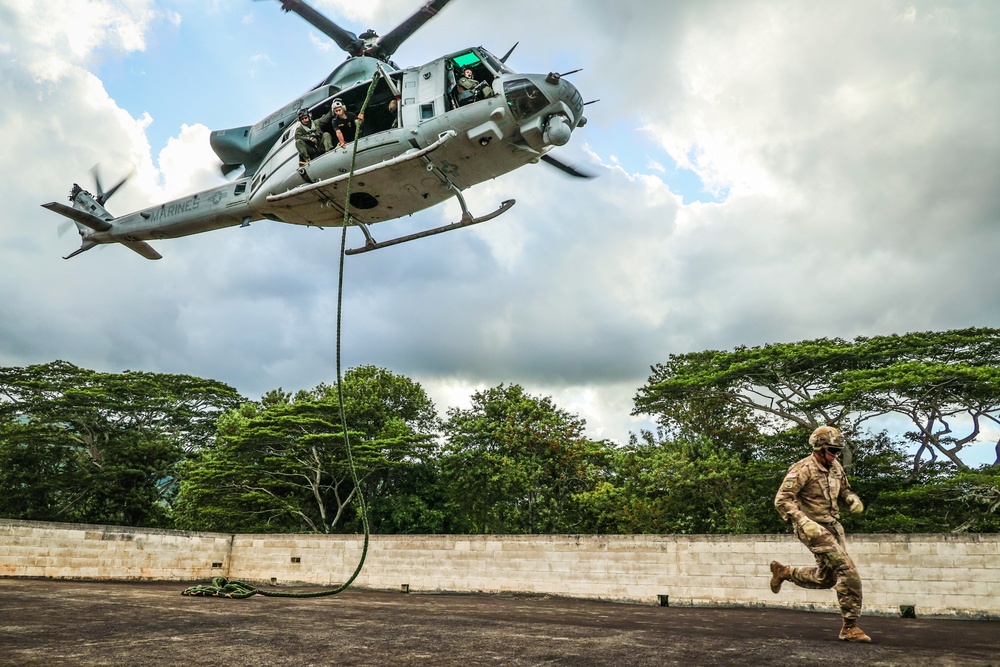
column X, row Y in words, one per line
column 345, row 123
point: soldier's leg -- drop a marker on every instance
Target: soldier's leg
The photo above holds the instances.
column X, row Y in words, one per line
column 823, row 575
column 302, row 146
column 837, row 565
column 327, row 142
column 848, row 580
column 848, row 585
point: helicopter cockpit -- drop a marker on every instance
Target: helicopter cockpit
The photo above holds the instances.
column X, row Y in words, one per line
column 470, row 78
column 524, row 98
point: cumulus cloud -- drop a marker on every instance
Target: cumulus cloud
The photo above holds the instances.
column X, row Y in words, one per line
column 848, row 153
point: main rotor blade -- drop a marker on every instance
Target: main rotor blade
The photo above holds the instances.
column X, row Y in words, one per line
column 391, row 41
column 348, row 41
column 562, row 166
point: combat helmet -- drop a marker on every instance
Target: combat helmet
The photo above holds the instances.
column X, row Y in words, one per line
column 827, row 437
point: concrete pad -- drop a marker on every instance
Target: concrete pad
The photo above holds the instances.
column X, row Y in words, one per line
column 60, row 622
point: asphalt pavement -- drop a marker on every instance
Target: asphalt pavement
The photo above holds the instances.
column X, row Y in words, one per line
column 82, row 623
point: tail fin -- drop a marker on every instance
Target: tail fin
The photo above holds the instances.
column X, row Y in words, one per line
column 92, row 219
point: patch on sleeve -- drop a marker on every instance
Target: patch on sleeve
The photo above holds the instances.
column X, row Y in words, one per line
column 788, row 484
column 791, row 475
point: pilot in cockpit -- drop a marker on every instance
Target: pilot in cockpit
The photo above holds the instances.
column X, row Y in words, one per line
column 470, row 90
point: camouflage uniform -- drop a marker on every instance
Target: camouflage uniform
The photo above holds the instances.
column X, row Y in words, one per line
column 809, row 495
column 309, row 138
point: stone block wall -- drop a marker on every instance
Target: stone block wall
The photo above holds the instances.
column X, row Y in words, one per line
column 938, row 575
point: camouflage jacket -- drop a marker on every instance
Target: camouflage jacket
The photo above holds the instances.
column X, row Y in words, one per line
column 811, row 490
column 314, row 132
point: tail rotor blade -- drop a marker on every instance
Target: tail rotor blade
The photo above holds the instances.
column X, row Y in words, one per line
column 114, row 188
column 102, row 195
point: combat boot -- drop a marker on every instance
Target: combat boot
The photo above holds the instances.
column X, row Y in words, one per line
column 852, row 633
column 779, row 574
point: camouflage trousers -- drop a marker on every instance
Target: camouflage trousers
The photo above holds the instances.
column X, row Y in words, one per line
column 834, row 569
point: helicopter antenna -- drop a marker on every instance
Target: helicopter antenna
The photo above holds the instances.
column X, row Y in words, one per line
column 554, row 77
column 507, row 55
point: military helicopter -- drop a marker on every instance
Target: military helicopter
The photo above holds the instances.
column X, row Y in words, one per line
column 424, row 139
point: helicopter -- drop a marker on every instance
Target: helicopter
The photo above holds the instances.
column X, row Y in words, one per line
column 424, row 139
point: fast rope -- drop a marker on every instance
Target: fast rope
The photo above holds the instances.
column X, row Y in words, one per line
column 223, row 587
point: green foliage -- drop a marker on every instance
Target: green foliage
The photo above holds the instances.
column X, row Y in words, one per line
column 515, row 463
column 940, row 381
column 77, row 445
column 691, row 486
column 281, row 465
column 83, row 446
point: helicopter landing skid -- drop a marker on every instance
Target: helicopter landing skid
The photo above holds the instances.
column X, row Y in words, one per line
column 466, row 221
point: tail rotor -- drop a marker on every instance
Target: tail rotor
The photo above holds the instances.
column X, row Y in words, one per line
column 102, row 194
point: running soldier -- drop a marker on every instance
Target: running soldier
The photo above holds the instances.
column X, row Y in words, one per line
column 809, row 497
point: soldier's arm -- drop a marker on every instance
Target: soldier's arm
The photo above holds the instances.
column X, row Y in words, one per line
column 786, row 500
column 848, row 498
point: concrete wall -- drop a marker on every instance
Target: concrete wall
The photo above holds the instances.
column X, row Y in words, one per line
column 939, row 575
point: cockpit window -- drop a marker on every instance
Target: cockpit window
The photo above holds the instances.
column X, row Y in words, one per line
column 524, row 98
column 469, row 59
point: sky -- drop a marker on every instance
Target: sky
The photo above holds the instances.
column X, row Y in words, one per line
column 768, row 171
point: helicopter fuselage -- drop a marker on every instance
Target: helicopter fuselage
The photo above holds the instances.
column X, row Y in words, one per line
column 423, row 140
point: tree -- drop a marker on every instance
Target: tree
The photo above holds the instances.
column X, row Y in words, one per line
column 282, row 464
column 79, row 445
column 946, row 383
column 941, row 381
column 515, row 463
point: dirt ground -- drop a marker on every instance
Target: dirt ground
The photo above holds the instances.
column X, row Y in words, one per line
column 51, row 623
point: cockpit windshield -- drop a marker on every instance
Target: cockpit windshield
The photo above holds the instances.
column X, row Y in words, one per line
column 524, row 98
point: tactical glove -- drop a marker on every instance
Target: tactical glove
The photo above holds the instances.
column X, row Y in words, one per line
column 810, row 528
column 855, row 505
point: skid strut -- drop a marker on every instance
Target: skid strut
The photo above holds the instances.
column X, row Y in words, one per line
column 466, row 221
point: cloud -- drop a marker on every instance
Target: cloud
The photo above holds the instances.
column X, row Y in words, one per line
column 849, row 152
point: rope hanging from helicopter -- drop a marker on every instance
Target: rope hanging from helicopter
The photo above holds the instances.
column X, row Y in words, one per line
column 223, row 587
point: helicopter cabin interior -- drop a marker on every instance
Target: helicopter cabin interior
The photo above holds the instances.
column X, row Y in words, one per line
column 423, row 93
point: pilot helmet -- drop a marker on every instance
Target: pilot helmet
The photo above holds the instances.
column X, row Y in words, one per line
column 827, row 437
column 303, row 114
column 337, row 104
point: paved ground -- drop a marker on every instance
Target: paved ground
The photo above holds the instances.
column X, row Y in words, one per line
column 52, row 623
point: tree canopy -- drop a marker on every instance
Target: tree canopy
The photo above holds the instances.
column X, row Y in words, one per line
column 516, row 463
column 282, row 465
column 144, row 449
column 947, row 384
column 81, row 445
